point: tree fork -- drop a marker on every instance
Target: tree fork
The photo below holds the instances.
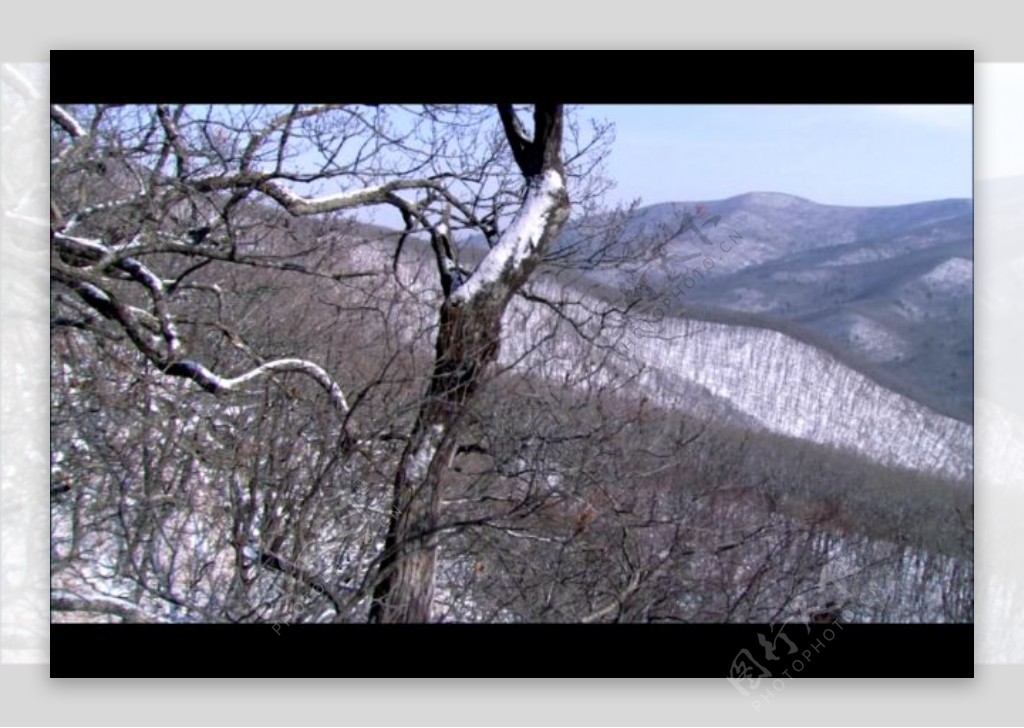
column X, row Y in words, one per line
column 468, row 340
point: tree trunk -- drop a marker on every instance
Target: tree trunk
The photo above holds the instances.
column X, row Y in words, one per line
column 468, row 339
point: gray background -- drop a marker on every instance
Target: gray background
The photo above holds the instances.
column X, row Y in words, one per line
column 28, row 697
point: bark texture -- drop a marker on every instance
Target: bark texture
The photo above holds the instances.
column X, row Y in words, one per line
column 468, row 339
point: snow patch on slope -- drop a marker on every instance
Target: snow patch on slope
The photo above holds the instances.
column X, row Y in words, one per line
column 878, row 342
column 952, row 277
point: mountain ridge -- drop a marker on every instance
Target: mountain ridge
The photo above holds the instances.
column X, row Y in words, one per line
column 859, row 276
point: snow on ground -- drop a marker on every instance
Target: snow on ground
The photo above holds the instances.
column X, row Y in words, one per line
column 753, row 300
column 951, row 277
column 856, row 257
column 878, row 342
column 814, row 275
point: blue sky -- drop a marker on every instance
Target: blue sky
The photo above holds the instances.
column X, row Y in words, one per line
column 841, row 155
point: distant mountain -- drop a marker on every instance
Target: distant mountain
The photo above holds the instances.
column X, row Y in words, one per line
column 891, row 287
column 774, row 224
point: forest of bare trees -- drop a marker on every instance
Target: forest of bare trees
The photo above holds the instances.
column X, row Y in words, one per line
column 268, row 406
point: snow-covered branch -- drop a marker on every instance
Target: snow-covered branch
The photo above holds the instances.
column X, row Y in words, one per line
column 374, row 195
column 99, row 207
column 217, row 384
column 89, row 250
column 66, row 121
column 63, row 601
column 140, row 324
column 521, row 239
column 297, row 205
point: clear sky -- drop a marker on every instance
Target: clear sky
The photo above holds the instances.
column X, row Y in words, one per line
column 841, row 155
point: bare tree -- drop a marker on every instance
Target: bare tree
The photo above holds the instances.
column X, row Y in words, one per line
column 467, row 342
column 151, row 206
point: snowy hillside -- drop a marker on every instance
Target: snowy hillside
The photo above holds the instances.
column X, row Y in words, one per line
column 781, row 384
column 952, row 277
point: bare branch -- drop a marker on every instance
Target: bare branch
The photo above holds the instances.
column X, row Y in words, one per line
column 541, row 215
column 216, row 384
column 376, row 195
column 98, row 604
column 66, row 121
